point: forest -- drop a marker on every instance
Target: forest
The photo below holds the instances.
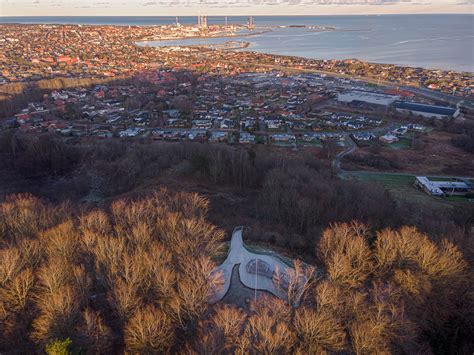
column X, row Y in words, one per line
column 109, row 247
column 135, row 277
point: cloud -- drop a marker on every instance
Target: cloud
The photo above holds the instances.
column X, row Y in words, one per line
column 229, row 7
column 227, row 3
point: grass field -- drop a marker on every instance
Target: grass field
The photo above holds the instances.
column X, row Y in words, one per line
column 388, row 180
column 401, row 186
column 317, row 144
column 401, row 144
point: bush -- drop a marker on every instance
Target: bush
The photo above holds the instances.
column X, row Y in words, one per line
column 59, row 347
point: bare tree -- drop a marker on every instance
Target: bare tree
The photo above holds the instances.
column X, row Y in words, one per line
column 295, row 281
column 319, row 331
column 150, row 330
column 92, row 334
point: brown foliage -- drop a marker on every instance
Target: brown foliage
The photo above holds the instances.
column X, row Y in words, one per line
column 150, row 330
column 24, row 216
column 346, row 254
column 139, row 276
column 222, row 332
column 319, row 331
column 59, row 315
column 92, row 334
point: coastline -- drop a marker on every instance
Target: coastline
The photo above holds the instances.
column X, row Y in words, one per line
column 213, row 56
column 196, row 37
column 249, row 45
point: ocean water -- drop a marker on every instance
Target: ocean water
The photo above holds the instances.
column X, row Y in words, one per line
column 429, row 41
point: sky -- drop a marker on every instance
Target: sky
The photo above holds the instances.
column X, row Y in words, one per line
column 228, row 7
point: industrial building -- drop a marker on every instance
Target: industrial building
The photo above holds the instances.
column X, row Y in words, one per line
column 429, row 111
column 444, row 188
column 368, row 97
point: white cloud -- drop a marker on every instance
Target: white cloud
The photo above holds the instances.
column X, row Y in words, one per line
column 230, row 7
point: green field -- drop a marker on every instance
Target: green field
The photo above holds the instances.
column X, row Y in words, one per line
column 388, row 180
column 302, row 143
column 401, row 186
column 401, row 144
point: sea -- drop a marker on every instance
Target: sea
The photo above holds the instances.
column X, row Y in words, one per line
column 441, row 41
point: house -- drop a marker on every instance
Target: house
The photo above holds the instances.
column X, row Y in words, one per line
column 246, row 138
column 363, row 136
column 416, row 127
column 400, row 131
column 284, row 137
column 197, row 135
column 172, row 113
column 298, row 125
column 131, row 132
column 273, row 124
column 227, row 124
column 218, row 136
column 202, row 124
column 169, row 135
column 103, row 134
column 310, row 137
column 247, row 124
column 175, row 122
column 389, row 138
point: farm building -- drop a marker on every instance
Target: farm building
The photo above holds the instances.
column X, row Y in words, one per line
column 443, row 188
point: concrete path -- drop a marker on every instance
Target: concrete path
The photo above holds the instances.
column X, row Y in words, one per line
column 239, row 255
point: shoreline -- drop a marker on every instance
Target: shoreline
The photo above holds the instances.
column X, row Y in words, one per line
column 196, row 37
column 249, row 49
column 143, row 53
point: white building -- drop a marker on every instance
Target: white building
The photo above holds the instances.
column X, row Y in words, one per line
column 246, row 138
column 369, row 97
column 131, row 132
column 442, row 188
column 389, row 138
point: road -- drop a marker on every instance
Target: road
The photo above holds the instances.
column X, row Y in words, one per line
column 352, row 146
column 336, row 163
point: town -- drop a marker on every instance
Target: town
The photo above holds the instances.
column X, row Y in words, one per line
column 94, row 82
column 300, row 110
column 33, row 52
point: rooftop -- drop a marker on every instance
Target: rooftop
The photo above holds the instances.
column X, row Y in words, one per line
column 439, row 110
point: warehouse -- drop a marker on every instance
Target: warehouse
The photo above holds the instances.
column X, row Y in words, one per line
column 429, row 111
column 368, row 97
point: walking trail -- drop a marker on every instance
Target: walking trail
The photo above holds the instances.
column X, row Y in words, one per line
column 249, row 261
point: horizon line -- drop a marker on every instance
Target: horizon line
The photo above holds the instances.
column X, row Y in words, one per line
column 250, row 14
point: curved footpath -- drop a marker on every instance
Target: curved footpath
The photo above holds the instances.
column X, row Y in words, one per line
column 239, row 255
